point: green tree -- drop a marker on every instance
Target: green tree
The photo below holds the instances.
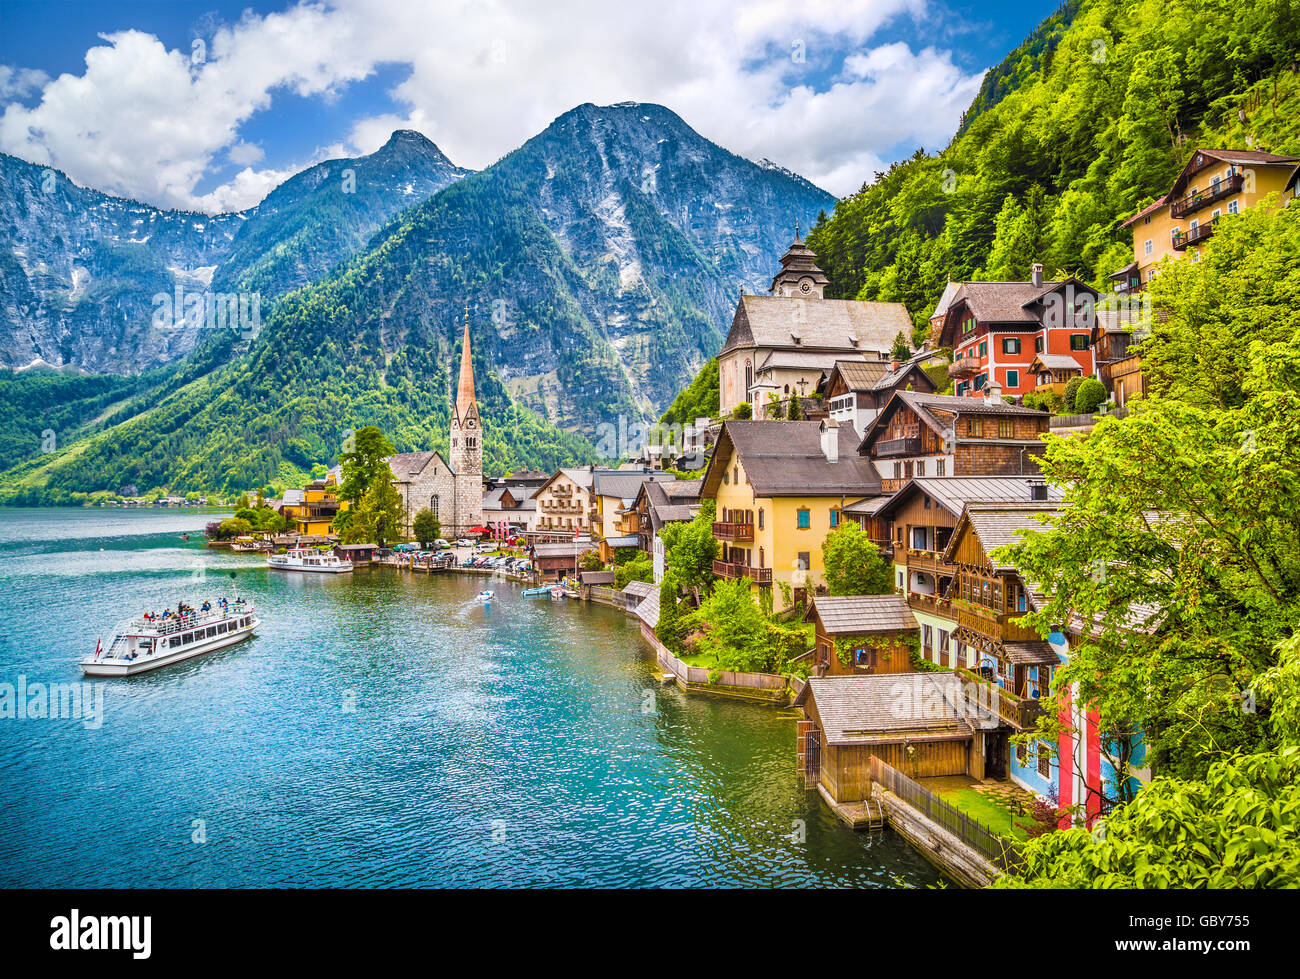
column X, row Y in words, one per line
column 640, row 568
column 379, row 517
column 590, row 561
column 1069, row 394
column 426, row 527
column 854, row 564
column 233, row 527
column 670, row 628
column 734, row 627
column 902, row 349
column 689, row 548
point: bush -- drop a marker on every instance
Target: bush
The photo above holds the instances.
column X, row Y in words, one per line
column 743, row 410
column 1090, row 396
column 1043, row 401
column 1067, row 398
column 426, row 527
column 640, row 568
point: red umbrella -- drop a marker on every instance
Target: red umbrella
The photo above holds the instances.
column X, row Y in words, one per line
column 478, row 530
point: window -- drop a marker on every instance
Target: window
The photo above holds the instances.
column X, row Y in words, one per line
column 1038, row 345
column 760, row 518
column 433, row 504
column 1044, row 759
column 1013, row 379
column 803, row 560
column 898, row 470
column 984, row 348
column 835, row 518
column 735, row 474
column 1011, row 345
column 927, row 637
column 941, row 467
column 980, row 382
column 968, row 324
column 1022, row 754
column 1148, row 247
column 900, row 580
column 943, row 640
column 1079, row 341
column 804, row 518
column 1232, row 207
column 920, row 467
column 1004, row 428
column 974, row 426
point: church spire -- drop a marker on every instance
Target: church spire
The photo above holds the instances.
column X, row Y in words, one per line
column 465, row 390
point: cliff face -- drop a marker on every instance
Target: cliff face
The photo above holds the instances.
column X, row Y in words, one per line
column 80, row 271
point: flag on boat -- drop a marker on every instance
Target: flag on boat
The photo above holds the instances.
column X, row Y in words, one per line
column 99, row 646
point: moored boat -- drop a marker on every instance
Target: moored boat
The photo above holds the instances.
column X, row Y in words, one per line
column 306, row 559
column 150, row 642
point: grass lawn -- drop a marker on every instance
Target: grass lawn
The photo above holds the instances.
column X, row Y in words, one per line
column 705, row 661
column 987, row 810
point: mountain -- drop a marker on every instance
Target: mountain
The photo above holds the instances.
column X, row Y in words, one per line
column 599, row 265
column 1085, row 122
column 80, row 271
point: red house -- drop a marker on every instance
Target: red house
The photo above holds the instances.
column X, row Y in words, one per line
column 997, row 329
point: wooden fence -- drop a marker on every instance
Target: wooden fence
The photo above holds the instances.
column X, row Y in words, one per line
column 1000, row 851
column 698, row 675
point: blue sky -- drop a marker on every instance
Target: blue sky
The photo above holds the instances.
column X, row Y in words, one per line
column 833, row 89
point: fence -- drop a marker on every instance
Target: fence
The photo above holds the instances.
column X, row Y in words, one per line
column 609, row 596
column 999, row 851
column 1078, row 421
column 699, row 675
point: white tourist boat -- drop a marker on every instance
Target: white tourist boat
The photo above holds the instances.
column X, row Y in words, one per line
column 306, row 559
column 142, row 644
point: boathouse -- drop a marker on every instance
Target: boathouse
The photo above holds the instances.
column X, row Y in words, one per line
column 862, row 634
column 555, row 561
column 922, row 724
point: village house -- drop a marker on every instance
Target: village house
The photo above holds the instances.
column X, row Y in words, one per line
column 997, row 329
column 613, row 493
column 861, row 634
column 315, row 507
column 508, row 510
column 555, row 560
column 922, row 724
column 1213, row 184
column 779, row 489
column 944, row 435
column 855, row 390
column 658, row 504
column 564, row 503
column 784, row 344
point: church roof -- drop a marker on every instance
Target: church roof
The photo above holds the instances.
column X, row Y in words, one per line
column 465, row 401
column 847, row 326
column 407, row 466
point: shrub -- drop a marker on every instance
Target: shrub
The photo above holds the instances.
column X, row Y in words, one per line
column 743, row 410
column 1090, row 396
column 1067, row 398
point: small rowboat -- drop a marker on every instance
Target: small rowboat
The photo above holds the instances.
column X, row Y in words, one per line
column 537, row 592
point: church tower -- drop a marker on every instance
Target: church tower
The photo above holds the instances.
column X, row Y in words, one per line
column 466, row 447
column 799, row 276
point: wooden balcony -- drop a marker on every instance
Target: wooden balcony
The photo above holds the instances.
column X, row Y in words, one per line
column 899, row 447
column 892, row 485
column 995, row 625
column 732, row 570
column 1021, row 713
column 965, row 367
column 1204, row 198
column 1192, row 235
column 929, row 561
column 934, row 604
column 732, row 531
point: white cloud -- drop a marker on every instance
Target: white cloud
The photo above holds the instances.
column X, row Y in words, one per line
column 18, row 83
column 150, row 123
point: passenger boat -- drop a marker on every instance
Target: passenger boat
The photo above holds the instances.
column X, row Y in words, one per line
column 306, row 559
column 537, row 592
column 142, row 644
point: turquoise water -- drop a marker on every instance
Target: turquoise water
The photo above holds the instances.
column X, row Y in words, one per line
column 381, row 730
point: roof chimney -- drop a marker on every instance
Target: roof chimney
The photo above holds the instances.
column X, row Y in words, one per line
column 993, row 393
column 1038, row 489
column 830, row 435
column 1036, row 273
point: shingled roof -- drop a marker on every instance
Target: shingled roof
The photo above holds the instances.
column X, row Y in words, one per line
column 937, row 411
column 847, row 325
column 998, row 525
column 861, row 615
column 784, row 458
column 952, row 493
column 406, row 466
column 860, row 709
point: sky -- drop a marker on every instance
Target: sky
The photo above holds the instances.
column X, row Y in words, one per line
column 210, row 105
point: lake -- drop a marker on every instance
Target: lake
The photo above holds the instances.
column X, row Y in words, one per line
column 381, row 729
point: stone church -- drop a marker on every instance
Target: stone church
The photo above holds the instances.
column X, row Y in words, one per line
column 453, row 491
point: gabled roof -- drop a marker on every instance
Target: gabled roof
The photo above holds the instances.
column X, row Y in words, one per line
column 407, row 466
column 784, row 458
column 861, row 709
column 565, row 549
column 640, row 589
column 846, row 325
column 1017, row 303
column 861, row 615
column 624, row 484
column 1203, row 158
column 648, row 610
column 999, row 525
column 952, row 493
column 1054, row 362
column 582, row 477
column 933, row 410
column 823, row 360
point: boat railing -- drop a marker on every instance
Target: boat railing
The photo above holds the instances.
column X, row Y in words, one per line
column 180, row 623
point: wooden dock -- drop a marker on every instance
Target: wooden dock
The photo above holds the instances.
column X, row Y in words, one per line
column 866, row 814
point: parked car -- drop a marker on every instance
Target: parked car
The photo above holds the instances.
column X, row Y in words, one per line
column 464, row 542
column 483, row 547
column 440, row 544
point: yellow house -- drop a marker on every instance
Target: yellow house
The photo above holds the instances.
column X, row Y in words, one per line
column 312, row 509
column 780, row 488
column 1214, row 183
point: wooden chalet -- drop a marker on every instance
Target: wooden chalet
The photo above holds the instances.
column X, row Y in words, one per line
column 873, row 627
column 918, row 435
column 855, row 390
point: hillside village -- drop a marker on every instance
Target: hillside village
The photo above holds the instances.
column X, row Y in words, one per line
column 859, row 500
